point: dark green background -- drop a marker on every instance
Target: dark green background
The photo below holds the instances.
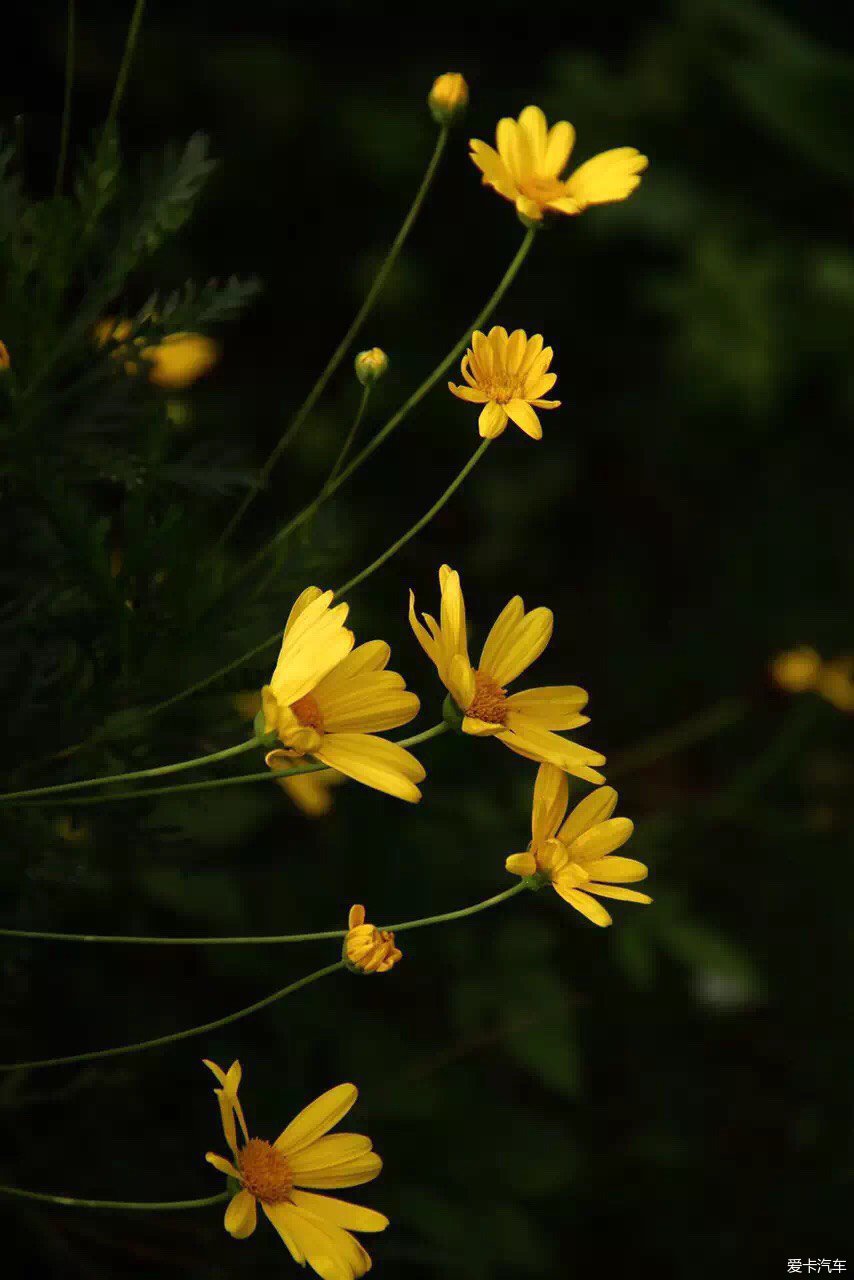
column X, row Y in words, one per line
column 550, row 1099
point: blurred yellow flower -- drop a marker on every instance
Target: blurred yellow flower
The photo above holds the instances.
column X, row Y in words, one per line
column 5, row 361
column 836, row 682
column 367, row 948
column 312, row 792
column 313, row 1228
column 326, row 702
column 180, row 359
column 508, row 376
column 525, row 721
column 448, row 97
column 111, row 329
column 796, row 670
column 574, row 854
column 71, row 829
column 370, row 365
column 530, row 158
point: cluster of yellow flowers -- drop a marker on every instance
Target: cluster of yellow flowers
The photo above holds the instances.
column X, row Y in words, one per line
column 329, row 700
column 803, row 670
column 174, row 363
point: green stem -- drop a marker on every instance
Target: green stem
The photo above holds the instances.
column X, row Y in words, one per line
column 152, row 1205
column 258, row 939
column 419, row 524
column 266, row 775
column 351, row 436
column 159, row 1041
column 341, row 350
column 695, row 729
column 66, row 105
column 64, row 787
column 127, row 59
column 417, row 396
column 800, row 719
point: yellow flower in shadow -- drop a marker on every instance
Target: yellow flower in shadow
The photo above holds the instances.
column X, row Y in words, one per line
column 524, row 722
column 508, row 375
column 526, row 164
column 315, row 1229
column 180, row 359
column 575, row 854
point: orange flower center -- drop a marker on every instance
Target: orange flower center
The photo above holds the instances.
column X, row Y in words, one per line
column 542, row 190
column 264, row 1172
column 307, row 712
column 490, row 700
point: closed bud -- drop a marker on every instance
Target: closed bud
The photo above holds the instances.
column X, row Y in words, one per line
column 448, row 98
column 370, row 365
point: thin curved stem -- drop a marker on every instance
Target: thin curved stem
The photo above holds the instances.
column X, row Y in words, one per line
column 341, row 350
column 62, row 788
column 127, row 59
column 685, row 734
column 65, row 128
column 158, row 1206
column 360, row 577
column 175, row 1036
column 266, row 775
column 262, row 939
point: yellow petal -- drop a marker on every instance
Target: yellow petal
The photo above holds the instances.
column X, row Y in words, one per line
column 481, row 728
column 303, row 600
column 316, row 1119
column 551, row 706
column 372, row 656
column 518, row 645
column 529, row 740
column 241, row 1215
column 516, row 347
column 593, row 809
column 513, row 149
column 223, row 1166
column 533, row 123
column 613, row 870
column 538, row 387
column 584, row 903
column 422, row 635
column 460, row 680
column 368, row 704
column 279, row 1216
column 330, row 1252
column 501, row 632
column 350, row 1173
column 533, row 350
column 561, row 140
column 482, row 355
column 453, row 614
column 375, row 762
column 612, row 175
column 521, row 864
column 492, row 421
column 617, row 891
column 493, row 168
column 353, row 1217
column 472, row 394
column 328, row 1152
column 602, row 839
column 520, row 412
column 551, row 795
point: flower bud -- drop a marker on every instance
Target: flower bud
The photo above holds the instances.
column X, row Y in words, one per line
column 368, row 949
column 448, row 98
column 370, row 365
column 796, row 670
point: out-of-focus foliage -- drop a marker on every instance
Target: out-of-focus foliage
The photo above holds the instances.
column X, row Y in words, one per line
column 531, row 1082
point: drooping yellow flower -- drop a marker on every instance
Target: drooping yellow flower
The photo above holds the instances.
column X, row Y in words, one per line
column 448, row 98
column 530, row 158
column 796, row 670
column 331, row 708
column 522, row 721
column 180, row 359
column 508, row 376
column 367, row 948
column 315, row 1229
column 310, row 792
column 574, row 854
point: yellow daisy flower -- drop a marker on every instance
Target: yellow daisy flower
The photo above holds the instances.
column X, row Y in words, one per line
column 530, row 158
column 836, row 682
column 180, row 359
column 522, row 721
column 574, row 854
column 508, row 376
column 328, row 703
column 367, row 948
column 314, row 1228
